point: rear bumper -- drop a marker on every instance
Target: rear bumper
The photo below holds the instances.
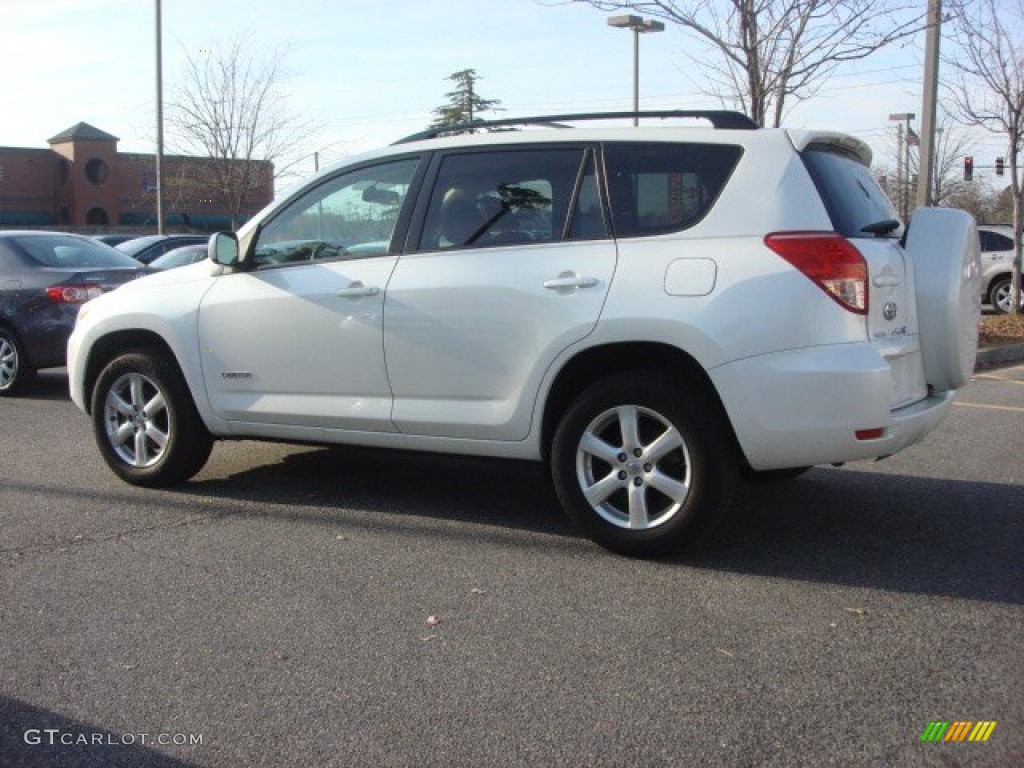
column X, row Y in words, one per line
column 44, row 330
column 803, row 407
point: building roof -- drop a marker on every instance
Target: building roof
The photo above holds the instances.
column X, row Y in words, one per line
column 82, row 132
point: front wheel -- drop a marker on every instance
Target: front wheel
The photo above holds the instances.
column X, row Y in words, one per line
column 645, row 468
column 145, row 422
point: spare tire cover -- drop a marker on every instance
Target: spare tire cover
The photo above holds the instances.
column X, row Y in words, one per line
column 943, row 245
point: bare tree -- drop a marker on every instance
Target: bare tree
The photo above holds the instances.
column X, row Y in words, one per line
column 771, row 52
column 989, row 90
column 230, row 108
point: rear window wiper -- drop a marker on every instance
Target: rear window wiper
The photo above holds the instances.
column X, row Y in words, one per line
column 881, row 228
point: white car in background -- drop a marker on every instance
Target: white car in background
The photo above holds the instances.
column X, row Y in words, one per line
column 996, row 264
column 655, row 312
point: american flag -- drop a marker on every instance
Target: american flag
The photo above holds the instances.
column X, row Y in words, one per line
column 913, row 140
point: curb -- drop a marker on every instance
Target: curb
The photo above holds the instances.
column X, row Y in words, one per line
column 993, row 357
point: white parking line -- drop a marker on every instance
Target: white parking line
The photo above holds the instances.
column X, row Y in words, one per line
column 1017, row 408
column 990, row 377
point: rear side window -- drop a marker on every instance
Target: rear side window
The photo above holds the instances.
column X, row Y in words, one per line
column 655, row 188
column 850, row 193
column 993, row 241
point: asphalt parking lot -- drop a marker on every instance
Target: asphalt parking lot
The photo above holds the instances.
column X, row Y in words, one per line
column 314, row 607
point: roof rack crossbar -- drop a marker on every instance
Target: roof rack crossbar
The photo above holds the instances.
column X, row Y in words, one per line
column 719, row 118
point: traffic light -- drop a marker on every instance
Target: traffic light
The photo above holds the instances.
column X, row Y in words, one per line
column 968, row 168
column 999, row 166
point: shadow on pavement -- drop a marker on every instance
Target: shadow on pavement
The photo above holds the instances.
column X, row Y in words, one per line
column 21, row 723
column 859, row 528
column 51, row 384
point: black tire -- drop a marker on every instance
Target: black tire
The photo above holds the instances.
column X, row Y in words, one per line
column 158, row 448
column 681, row 447
column 16, row 374
column 999, row 295
column 775, row 475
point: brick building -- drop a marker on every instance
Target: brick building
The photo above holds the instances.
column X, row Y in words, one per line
column 83, row 181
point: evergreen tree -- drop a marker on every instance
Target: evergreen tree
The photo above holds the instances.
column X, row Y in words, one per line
column 464, row 103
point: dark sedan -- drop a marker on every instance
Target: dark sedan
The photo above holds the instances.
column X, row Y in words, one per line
column 147, row 249
column 45, row 277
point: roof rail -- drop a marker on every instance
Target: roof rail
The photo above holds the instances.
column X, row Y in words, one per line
column 719, row 118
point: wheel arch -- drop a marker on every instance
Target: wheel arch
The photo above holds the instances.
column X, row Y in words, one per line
column 113, row 344
column 595, row 363
column 996, row 277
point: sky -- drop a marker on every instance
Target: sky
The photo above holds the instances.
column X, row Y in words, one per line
column 367, row 72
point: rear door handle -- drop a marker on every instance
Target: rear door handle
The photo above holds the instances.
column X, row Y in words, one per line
column 357, row 289
column 570, row 280
column 885, row 281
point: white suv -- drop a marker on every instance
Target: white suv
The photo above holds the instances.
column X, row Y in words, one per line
column 996, row 265
column 655, row 312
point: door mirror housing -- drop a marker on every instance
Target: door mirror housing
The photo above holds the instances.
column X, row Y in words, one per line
column 223, row 249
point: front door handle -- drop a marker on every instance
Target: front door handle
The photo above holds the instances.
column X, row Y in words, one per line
column 357, row 289
column 570, row 280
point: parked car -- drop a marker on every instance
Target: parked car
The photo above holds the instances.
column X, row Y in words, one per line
column 179, row 257
column 114, row 239
column 147, row 249
column 996, row 265
column 44, row 278
column 653, row 311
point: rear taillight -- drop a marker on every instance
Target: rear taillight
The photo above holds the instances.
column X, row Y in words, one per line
column 73, row 294
column 831, row 261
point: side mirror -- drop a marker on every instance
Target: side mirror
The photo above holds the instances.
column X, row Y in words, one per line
column 223, row 248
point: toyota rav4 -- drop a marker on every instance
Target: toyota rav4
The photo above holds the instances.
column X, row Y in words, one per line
column 656, row 312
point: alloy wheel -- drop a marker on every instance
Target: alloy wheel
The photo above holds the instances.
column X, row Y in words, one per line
column 8, row 362
column 137, row 420
column 633, row 467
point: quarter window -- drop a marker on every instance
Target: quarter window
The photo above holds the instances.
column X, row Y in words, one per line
column 509, row 197
column 351, row 216
column 655, row 188
column 993, row 241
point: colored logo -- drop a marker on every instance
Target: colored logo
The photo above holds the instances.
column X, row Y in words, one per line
column 958, row 730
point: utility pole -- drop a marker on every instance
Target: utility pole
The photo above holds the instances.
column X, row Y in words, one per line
column 926, row 191
column 903, row 161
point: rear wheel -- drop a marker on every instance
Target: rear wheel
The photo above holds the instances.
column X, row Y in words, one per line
column 999, row 295
column 145, row 422
column 642, row 466
column 15, row 371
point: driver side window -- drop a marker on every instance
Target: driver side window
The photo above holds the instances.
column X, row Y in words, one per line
column 349, row 216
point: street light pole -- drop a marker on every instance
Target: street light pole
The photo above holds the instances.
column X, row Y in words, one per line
column 637, row 25
column 159, row 126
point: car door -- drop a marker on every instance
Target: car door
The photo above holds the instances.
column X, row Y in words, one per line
column 296, row 339
column 509, row 267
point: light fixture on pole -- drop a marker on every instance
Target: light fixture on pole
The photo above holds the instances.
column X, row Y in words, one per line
column 638, row 25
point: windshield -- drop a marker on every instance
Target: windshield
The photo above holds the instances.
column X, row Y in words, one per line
column 138, row 244
column 69, row 251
